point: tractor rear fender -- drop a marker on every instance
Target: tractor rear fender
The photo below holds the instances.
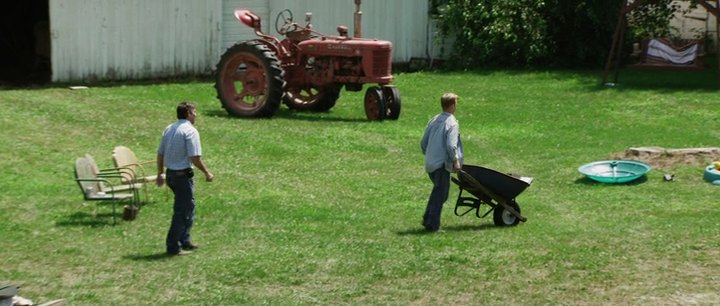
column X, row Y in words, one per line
column 271, row 43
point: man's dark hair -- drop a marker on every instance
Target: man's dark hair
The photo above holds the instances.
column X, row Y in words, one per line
column 184, row 109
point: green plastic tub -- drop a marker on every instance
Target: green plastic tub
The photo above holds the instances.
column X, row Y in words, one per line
column 711, row 174
column 614, row 171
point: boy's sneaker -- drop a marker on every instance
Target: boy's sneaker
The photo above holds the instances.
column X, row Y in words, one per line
column 190, row 246
column 179, row 253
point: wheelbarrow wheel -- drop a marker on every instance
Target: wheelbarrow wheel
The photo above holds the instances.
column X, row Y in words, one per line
column 503, row 217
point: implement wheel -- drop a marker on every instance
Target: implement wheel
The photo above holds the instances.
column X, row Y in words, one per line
column 503, row 217
column 249, row 80
column 375, row 108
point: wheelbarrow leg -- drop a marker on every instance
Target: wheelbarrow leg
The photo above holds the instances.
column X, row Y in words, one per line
column 502, row 201
column 461, row 201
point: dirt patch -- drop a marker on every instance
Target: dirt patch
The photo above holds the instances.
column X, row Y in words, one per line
column 662, row 158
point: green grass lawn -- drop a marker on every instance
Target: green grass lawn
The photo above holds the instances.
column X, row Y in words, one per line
column 325, row 208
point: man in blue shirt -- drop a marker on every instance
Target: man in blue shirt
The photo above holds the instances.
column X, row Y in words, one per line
column 443, row 152
column 180, row 149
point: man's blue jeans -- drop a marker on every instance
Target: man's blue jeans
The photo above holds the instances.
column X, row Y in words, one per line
column 183, row 209
column 441, row 189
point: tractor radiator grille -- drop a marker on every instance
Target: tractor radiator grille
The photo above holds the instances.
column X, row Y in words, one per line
column 381, row 62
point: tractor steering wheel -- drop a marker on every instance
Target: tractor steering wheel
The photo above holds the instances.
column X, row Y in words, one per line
column 286, row 17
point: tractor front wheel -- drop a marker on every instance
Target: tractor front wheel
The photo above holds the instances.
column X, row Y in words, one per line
column 249, row 80
column 392, row 101
column 375, row 108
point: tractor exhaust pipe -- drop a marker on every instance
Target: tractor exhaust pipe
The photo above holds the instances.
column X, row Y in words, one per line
column 357, row 31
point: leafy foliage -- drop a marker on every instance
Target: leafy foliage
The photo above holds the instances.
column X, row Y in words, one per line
column 503, row 32
column 527, row 33
column 652, row 19
column 581, row 31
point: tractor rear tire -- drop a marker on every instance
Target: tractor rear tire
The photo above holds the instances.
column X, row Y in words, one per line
column 312, row 98
column 249, row 80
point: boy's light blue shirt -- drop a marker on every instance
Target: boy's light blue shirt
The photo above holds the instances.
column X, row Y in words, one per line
column 441, row 143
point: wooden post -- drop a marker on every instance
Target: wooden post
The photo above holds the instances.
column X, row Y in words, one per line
column 615, row 42
column 619, row 50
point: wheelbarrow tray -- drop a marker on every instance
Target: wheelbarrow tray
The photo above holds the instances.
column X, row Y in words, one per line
column 501, row 184
column 490, row 187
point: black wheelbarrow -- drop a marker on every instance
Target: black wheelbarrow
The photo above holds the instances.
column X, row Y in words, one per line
column 495, row 189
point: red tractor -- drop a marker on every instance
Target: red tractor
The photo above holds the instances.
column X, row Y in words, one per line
column 306, row 70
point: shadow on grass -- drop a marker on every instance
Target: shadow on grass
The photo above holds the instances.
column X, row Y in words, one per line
column 317, row 116
column 477, row 227
column 661, row 86
column 180, row 79
column 150, row 257
column 665, row 81
column 452, row 228
column 289, row 114
column 589, row 182
column 85, row 219
column 415, row 232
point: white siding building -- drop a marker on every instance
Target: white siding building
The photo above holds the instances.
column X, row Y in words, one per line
column 136, row 39
column 694, row 23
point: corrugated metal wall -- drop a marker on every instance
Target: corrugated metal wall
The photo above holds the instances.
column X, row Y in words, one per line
column 132, row 39
column 233, row 30
column 136, row 39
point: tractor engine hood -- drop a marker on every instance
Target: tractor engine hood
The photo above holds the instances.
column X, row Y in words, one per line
column 345, row 48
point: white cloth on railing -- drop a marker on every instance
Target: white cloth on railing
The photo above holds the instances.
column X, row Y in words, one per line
column 659, row 49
